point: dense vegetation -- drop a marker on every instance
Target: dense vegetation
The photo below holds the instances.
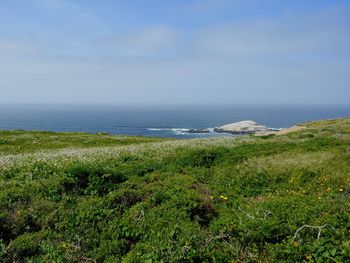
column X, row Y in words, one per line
column 253, row 199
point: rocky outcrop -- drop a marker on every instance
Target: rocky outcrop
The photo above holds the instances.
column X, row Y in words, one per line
column 242, row 127
column 198, row 131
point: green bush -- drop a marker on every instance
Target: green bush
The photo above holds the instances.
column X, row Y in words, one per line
column 212, row 200
column 24, row 247
column 92, row 180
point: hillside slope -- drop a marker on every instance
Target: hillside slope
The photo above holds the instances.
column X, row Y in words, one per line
column 274, row 198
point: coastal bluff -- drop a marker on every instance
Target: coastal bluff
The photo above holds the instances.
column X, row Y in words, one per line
column 242, row 127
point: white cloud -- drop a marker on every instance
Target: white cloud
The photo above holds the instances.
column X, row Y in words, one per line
column 302, row 59
column 282, row 36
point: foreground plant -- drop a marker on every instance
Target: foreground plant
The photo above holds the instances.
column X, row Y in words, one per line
column 252, row 199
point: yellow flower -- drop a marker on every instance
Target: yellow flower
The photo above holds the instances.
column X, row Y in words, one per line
column 341, row 189
column 223, row 197
column 211, row 197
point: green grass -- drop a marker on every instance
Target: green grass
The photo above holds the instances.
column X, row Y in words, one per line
column 84, row 198
column 19, row 141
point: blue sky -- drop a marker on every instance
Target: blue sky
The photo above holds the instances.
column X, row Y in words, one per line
column 175, row 51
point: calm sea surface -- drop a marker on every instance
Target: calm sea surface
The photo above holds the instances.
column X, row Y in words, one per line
column 156, row 121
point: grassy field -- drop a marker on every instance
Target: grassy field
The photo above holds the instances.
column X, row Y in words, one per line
column 75, row 197
column 19, row 141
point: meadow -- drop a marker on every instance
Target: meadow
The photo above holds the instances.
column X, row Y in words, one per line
column 76, row 197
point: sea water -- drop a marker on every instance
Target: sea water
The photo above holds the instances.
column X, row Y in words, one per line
column 159, row 121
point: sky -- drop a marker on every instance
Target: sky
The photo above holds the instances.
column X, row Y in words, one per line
column 175, row 51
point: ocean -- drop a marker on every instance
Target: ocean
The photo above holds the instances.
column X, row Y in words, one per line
column 159, row 121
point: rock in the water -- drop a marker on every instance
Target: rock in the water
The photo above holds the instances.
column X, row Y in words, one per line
column 198, row 131
column 242, row 127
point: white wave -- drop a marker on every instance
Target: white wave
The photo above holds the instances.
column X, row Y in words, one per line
column 156, row 129
column 177, row 131
column 174, row 130
column 180, row 129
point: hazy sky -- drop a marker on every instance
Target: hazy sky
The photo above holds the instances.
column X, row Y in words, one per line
column 175, row 51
